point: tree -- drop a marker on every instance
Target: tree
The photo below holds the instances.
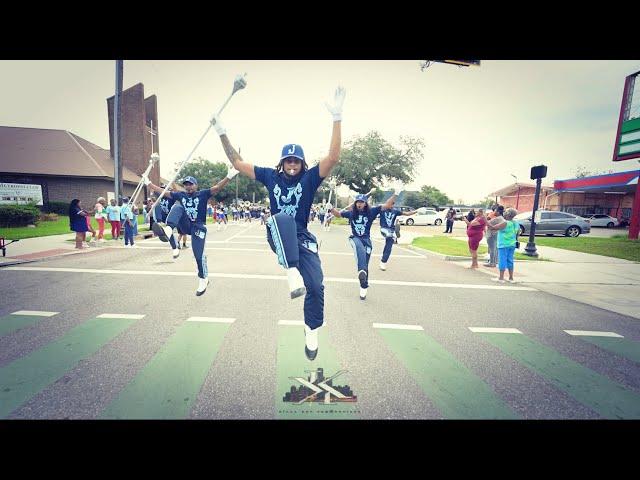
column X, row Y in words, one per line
column 370, row 161
column 431, row 196
column 208, row 174
column 582, row 172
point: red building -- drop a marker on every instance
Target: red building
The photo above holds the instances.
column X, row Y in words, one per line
column 521, row 196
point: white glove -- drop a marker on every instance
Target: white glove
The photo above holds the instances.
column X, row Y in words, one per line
column 146, row 180
column 155, row 157
column 232, row 172
column 336, row 108
column 215, row 121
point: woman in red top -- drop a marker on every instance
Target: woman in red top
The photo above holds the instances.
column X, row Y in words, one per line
column 475, row 232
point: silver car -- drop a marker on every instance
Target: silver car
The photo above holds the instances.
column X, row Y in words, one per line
column 554, row 223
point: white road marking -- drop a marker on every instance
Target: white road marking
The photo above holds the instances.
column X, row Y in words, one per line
column 494, row 330
column 35, row 313
column 294, row 323
column 396, row 326
column 126, row 316
column 240, row 232
column 211, row 319
column 269, row 251
column 587, row 333
column 264, row 237
column 158, row 273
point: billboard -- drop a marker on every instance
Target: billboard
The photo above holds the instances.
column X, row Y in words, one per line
column 20, row 194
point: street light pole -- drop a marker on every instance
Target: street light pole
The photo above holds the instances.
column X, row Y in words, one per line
column 537, row 174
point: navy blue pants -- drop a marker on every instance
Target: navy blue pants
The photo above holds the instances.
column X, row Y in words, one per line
column 178, row 219
column 128, row 233
column 362, row 248
column 160, row 216
column 388, row 234
column 299, row 249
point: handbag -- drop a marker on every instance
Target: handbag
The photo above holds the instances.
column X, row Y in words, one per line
column 517, row 233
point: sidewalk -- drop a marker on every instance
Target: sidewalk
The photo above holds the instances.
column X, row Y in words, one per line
column 605, row 282
column 37, row 248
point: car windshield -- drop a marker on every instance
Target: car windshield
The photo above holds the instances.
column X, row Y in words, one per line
column 522, row 216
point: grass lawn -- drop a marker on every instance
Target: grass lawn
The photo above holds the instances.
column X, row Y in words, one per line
column 58, row 227
column 618, row 246
column 449, row 246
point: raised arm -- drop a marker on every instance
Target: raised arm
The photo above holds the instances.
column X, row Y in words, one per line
column 222, row 183
column 330, row 161
column 234, row 157
column 388, row 205
column 156, row 188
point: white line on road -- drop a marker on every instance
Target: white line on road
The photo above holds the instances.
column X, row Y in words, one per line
column 159, row 273
column 126, row 316
column 587, row 333
column 494, row 330
column 295, row 323
column 211, row 319
column 264, row 237
column 269, row 251
column 35, row 313
column 396, row 326
column 240, row 232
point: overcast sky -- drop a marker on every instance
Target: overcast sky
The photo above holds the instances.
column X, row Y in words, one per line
column 480, row 124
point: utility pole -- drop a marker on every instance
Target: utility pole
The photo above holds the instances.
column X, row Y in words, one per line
column 537, row 174
column 117, row 127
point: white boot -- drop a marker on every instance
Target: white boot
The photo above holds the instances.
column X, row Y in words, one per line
column 202, row 286
column 176, row 253
column 363, row 293
column 296, row 283
column 310, row 342
column 383, row 266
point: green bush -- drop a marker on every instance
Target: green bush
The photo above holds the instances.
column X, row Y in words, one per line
column 48, row 217
column 61, row 208
column 18, row 215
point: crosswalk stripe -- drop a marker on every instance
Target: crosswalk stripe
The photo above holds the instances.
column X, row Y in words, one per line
column 35, row 313
column 28, row 375
column 494, row 330
column 296, row 323
column 598, row 392
column 587, row 333
column 125, row 316
column 396, row 326
column 211, row 319
column 167, row 386
column 456, row 391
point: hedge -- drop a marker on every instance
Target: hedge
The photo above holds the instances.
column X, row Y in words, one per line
column 61, row 208
column 18, row 215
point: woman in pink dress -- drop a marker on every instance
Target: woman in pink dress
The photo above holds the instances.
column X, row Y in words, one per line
column 475, row 232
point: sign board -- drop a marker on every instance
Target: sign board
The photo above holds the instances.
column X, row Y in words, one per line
column 537, row 217
column 20, row 194
column 110, row 196
column 627, row 142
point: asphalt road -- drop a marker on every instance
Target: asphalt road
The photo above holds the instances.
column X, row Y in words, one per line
column 236, row 351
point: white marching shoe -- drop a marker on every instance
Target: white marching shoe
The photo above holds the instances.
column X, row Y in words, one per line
column 202, row 286
column 310, row 342
column 176, row 253
column 296, row 283
column 363, row 293
column 383, row 266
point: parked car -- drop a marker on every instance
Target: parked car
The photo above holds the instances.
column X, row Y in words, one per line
column 442, row 215
column 554, row 223
column 424, row 216
column 600, row 220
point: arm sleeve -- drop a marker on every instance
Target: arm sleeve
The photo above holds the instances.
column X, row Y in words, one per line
column 346, row 214
column 375, row 211
column 261, row 174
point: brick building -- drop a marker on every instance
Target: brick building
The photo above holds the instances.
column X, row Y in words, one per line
column 65, row 165
column 521, row 196
column 68, row 166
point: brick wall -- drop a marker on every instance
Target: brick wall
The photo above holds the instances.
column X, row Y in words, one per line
column 525, row 201
column 137, row 114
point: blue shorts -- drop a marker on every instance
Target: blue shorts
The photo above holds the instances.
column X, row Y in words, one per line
column 505, row 258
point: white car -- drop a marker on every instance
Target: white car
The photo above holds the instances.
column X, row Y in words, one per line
column 442, row 215
column 424, row 216
column 600, row 220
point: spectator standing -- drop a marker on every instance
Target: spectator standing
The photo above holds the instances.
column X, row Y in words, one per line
column 113, row 215
column 494, row 218
column 451, row 214
column 475, row 232
column 507, row 242
column 78, row 222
